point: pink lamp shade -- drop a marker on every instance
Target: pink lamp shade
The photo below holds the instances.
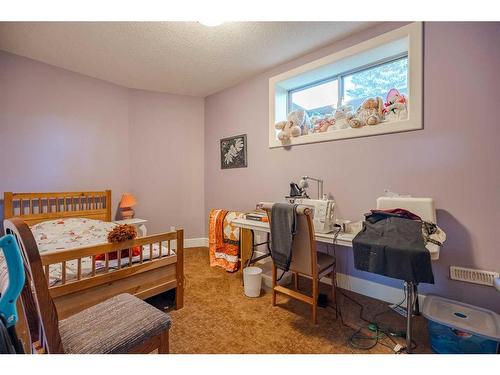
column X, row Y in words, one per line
column 128, row 200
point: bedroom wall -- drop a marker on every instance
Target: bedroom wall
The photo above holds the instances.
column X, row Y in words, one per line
column 60, row 131
column 454, row 159
column 166, row 160
column 63, row 131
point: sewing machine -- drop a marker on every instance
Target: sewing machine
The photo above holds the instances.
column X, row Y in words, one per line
column 324, row 223
column 323, row 209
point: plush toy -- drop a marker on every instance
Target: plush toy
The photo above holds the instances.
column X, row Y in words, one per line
column 396, row 106
column 368, row 113
column 323, row 124
column 315, row 120
column 298, row 123
column 342, row 116
column 300, row 118
column 287, row 130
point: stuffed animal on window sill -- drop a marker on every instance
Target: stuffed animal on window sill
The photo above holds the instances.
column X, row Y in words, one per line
column 396, row 106
column 323, row 124
column 368, row 113
column 342, row 116
column 300, row 118
column 287, row 130
column 297, row 124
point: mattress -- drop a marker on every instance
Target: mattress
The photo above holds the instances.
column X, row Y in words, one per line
column 64, row 234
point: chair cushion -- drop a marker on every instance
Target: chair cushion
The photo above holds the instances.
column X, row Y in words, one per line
column 114, row 326
column 325, row 261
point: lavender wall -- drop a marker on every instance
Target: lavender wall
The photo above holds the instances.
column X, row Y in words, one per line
column 62, row 131
column 454, row 159
column 166, row 153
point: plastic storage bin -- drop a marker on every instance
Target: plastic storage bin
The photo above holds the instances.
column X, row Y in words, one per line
column 267, row 272
column 459, row 328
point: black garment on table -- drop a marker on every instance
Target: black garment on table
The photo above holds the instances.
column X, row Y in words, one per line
column 392, row 245
column 283, row 228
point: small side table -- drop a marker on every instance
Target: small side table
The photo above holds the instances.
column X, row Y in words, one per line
column 140, row 224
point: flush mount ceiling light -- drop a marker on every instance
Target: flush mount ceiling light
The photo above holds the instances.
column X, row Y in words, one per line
column 211, row 23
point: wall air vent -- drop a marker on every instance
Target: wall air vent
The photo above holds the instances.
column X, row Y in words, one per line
column 470, row 275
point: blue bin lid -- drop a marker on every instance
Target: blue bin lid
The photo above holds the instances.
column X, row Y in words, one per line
column 462, row 316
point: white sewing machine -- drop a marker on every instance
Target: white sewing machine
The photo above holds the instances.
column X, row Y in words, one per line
column 323, row 218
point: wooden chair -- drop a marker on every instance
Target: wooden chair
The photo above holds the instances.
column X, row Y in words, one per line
column 306, row 261
column 122, row 324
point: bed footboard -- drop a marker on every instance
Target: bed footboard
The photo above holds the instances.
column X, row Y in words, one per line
column 100, row 272
column 158, row 268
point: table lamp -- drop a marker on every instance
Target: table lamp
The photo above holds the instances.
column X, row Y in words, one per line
column 126, row 204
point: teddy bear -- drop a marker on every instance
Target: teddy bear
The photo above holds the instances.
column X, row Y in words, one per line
column 297, row 123
column 300, row 118
column 342, row 116
column 287, row 129
column 396, row 106
column 368, row 113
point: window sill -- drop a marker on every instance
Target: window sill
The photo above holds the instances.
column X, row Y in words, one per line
column 366, row 131
column 407, row 39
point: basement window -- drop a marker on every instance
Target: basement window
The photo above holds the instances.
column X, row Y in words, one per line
column 372, row 88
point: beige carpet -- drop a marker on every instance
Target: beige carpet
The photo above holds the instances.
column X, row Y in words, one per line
column 218, row 318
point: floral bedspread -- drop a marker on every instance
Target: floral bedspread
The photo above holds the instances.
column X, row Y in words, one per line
column 70, row 233
column 63, row 234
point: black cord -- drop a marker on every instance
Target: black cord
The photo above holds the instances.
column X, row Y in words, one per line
column 391, row 309
column 358, row 336
column 379, row 333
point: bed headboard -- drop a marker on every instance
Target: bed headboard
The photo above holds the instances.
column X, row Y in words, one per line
column 34, row 208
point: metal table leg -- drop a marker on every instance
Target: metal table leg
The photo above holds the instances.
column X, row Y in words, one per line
column 251, row 260
column 410, row 290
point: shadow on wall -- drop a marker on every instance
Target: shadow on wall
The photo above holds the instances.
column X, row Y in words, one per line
column 457, row 250
column 118, row 213
column 458, row 245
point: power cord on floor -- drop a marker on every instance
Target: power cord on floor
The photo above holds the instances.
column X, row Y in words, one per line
column 358, row 338
column 379, row 334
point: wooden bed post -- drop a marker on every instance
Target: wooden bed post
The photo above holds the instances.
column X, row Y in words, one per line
column 108, row 205
column 7, row 205
column 179, row 291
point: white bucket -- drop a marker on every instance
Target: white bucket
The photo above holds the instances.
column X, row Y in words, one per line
column 252, row 280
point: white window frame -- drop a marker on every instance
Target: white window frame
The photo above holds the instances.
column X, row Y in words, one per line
column 279, row 93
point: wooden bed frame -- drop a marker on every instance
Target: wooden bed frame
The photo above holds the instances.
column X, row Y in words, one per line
column 144, row 279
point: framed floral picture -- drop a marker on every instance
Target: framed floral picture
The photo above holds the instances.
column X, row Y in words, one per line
column 233, row 152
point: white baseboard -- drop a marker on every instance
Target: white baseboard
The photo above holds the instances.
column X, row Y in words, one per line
column 196, row 242
column 372, row 289
column 368, row 288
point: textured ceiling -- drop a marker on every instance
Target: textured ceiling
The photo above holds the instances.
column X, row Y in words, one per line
column 177, row 57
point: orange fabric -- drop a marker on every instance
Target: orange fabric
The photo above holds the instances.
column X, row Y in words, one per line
column 223, row 238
